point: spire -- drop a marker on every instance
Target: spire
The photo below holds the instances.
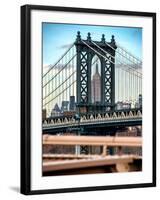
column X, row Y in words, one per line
column 89, row 37
column 97, row 72
column 103, row 38
column 78, row 36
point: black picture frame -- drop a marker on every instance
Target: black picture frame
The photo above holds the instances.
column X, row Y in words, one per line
column 26, row 86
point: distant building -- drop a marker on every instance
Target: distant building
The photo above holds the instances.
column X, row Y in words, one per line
column 96, row 86
column 120, row 105
column 44, row 114
column 140, row 100
column 126, row 105
column 55, row 111
column 72, row 103
column 65, row 106
column 138, row 104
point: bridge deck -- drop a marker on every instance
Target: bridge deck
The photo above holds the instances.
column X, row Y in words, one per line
column 95, row 161
column 51, row 156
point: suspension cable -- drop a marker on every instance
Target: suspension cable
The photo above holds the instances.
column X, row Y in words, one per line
column 133, row 74
column 60, row 93
column 122, row 54
column 102, row 55
column 60, row 85
column 112, row 56
column 60, row 70
column 52, row 66
column 129, row 53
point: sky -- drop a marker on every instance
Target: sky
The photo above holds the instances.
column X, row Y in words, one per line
column 57, row 38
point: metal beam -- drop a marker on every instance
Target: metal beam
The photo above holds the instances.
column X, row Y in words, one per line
column 85, row 163
column 92, row 140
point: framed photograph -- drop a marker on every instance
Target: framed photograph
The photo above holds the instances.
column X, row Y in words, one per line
column 88, row 99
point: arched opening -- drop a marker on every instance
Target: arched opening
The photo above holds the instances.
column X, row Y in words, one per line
column 96, row 80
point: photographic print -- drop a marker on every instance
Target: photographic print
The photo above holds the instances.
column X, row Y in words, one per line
column 88, row 108
column 92, row 99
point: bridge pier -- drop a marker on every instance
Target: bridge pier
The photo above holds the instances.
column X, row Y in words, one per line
column 86, row 50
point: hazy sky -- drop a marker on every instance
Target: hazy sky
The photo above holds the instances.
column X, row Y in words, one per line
column 57, row 37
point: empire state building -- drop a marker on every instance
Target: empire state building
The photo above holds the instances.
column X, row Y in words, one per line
column 96, row 86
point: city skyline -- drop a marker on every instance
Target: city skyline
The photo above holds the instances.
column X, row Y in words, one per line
column 58, row 109
column 63, row 74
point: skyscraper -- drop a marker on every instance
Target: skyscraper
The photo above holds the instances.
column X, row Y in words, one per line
column 96, row 86
column 65, row 106
column 72, row 103
column 140, row 100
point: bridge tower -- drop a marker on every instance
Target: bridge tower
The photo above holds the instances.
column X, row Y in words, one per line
column 86, row 50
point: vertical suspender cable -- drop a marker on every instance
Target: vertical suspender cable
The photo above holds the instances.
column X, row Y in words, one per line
column 118, row 82
column 62, row 85
column 65, row 71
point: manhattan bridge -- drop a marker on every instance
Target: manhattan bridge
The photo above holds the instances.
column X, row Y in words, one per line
column 101, row 107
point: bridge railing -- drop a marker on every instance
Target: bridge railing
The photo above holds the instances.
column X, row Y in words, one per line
column 105, row 142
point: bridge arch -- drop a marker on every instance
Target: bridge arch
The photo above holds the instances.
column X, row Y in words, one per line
column 86, row 51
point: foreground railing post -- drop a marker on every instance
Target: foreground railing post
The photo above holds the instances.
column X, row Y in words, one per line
column 104, row 152
column 78, row 147
column 77, row 150
column 119, row 151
